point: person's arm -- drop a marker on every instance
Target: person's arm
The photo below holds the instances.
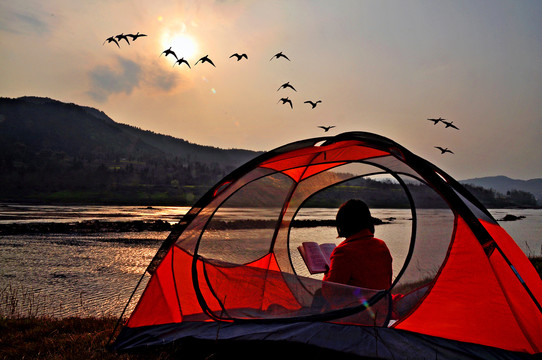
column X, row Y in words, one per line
column 339, row 267
column 339, row 272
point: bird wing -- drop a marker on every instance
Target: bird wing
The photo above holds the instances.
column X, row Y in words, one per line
column 245, row 56
column 125, row 37
column 277, row 55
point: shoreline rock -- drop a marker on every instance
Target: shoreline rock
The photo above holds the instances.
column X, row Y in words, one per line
column 85, row 227
column 510, row 217
column 98, row 226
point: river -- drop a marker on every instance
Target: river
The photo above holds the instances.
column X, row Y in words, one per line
column 93, row 274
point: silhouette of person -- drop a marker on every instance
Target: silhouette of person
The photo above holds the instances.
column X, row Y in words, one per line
column 361, row 259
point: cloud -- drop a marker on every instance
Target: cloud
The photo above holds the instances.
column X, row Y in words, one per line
column 106, row 80
column 23, row 23
column 162, row 80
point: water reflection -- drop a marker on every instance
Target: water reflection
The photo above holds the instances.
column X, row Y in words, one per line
column 14, row 213
column 94, row 274
column 65, row 275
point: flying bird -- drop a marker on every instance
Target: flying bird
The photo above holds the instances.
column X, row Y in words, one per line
column 181, row 61
column 279, row 55
column 286, row 85
column 122, row 36
column 444, row 150
column 313, row 104
column 205, row 59
column 110, row 40
column 450, row 124
column 436, row 121
column 168, row 52
column 135, row 36
column 286, row 100
column 326, row 128
column 239, row 57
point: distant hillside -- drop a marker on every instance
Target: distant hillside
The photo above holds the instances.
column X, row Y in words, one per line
column 503, row 184
column 55, row 151
column 46, row 124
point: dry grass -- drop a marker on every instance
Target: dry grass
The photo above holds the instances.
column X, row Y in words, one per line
column 71, row 338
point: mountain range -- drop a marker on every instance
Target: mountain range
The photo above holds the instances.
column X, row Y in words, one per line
column 504, row 184
column 43, row 123
column 51, row 151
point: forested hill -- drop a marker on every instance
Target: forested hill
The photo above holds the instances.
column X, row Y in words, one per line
column 54, row 152
column 50, row 150
column 46, row 124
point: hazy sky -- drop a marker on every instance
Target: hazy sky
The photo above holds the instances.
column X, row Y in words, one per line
column 378, row 66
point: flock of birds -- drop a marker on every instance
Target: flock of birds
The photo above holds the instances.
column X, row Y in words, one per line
column 116, row 39
column 206, row 59
column 287, row 100
column 447, row 125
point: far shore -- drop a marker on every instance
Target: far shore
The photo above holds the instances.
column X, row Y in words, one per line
column 99, row 226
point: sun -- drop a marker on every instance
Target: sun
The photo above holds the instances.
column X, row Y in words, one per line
column 182, row 44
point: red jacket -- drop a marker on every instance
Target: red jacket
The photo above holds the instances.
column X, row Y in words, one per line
column 361, row 260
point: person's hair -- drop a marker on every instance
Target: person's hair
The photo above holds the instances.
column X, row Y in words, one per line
column 352, row 217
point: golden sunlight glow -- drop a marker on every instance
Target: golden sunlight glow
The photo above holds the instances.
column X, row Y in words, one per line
column 182, row 44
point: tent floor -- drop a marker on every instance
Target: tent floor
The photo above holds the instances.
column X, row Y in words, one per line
column 198, row 349
column 298, row 340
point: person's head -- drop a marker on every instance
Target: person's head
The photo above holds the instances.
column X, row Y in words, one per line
column 352, row 217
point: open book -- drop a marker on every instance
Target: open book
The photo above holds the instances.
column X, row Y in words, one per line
column 316, row 256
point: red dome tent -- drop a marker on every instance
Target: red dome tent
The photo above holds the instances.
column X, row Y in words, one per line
column 231, row 269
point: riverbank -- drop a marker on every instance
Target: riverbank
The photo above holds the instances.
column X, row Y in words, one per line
column 98, row 226
column 87, row 338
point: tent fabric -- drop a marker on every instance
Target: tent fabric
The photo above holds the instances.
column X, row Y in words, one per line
column 477, row 310
column 374, row 342
column 211, row 274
